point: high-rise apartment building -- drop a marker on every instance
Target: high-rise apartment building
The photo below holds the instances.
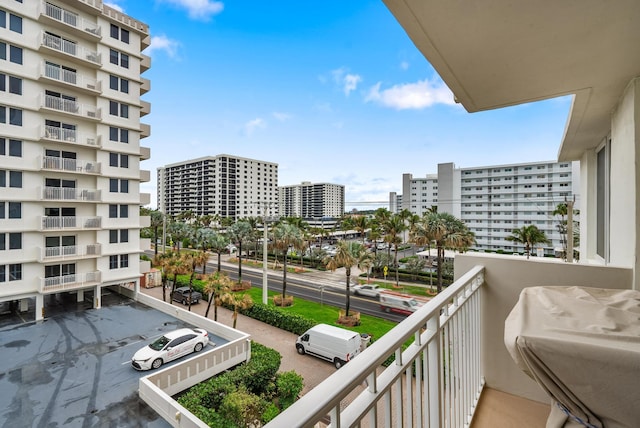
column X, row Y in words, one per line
column 495, row 200
column 223, row 185
column 311, row 200
column 70, row 131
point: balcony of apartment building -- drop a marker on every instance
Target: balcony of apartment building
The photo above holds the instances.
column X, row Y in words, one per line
column 145, row 63
column 145, row 130
column 452, row 367
column 59, row 223
column 145, row 198
column 68, row 106
column 49, row 193
column 68, row 21
column 145, row 175
column 90, row 6
column 69, row 282
column 68, row 50
column 145, row 86
column 77, row 166
column 69, row 135
column 145, row 153
column 145, row 108
column 67, row 77
column 62, row 253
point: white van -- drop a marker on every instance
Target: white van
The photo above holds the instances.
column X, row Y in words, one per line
column 397, row 302
column 330, row 343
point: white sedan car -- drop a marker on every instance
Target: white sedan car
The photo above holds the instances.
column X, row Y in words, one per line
column 371, row 290
column 169, row 347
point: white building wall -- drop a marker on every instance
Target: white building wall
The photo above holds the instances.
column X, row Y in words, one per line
column 624, row 178
column 71, row 158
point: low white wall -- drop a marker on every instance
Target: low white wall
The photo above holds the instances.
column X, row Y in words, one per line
column 221, row 330
column 505, row 277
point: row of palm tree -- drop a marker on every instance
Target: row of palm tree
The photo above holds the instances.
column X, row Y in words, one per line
column 433, row 229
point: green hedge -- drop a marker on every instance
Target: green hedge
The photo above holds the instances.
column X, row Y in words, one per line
column 253, row 391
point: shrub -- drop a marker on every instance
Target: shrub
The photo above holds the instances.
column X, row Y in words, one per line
column 289, row 387
column 243, row 408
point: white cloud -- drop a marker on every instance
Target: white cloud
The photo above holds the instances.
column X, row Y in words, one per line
column 114, row 6
column 417, row 95
column 254, row 124
column 347, row 81
column 282, row 117
column 163, row 43
column 198, row 9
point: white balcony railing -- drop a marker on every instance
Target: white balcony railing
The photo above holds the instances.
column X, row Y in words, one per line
column 70, row 48
column 69, row 77
column 435, row 382
column 69, row 252
column 50, row 223
column 70, row 136
column 70, row 194
column 71, row 107
column 70, row 18
column 69, row 282
column 70, row 165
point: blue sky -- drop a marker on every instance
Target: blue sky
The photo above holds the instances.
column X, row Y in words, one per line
column 332, row 91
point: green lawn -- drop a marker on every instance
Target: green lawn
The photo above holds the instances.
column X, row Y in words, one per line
column 376, row 327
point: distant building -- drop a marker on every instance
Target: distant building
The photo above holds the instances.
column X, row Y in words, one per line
column 223, row 185
column 495, row 200
column 311, row 201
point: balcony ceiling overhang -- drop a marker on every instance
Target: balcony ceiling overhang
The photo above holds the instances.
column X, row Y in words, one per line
column 500, row 53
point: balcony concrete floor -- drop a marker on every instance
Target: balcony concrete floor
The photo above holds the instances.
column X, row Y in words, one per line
column 498, row 409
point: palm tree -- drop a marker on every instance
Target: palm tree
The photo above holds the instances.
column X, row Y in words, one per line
column 179, row 231
column 284, row 236
column 529, row 236
column 239, row 232
column 361, row 224
column 218, row 244
column 165, row 262
column 447, row 232
column 179, row 265
column 238, row 302
column 215, row 286
column 394, row 226
column 365, row 262
column 254, row 222
column 347, row 255
column 198, row 258
column 157, row 221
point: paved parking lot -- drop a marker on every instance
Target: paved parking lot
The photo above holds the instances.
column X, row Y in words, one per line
column 73, row 369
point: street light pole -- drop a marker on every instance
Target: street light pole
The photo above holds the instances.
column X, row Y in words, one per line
column 265, row 278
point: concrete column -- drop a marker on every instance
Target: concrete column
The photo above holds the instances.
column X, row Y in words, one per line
column 24, row 305
column 79, row 296
column 97, row 297
column 39, row 307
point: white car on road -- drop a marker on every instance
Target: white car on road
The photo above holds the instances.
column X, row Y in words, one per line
column 169, row 347
column 371, row 290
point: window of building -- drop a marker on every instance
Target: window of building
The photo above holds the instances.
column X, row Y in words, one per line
column 113, row 262
column 15, row 116
column 119, row 134
column 124, row 260
column 15, row 272
column 119, row 33
column 10, row 147
column 118, row 58
column 118, row 84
